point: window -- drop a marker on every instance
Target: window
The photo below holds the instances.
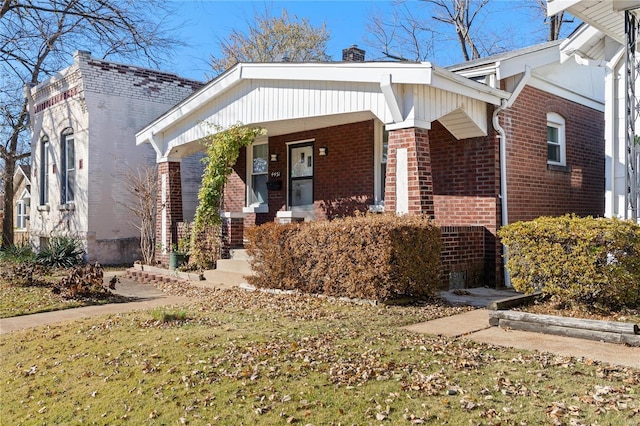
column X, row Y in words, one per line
column 383, row 162
column 44, row 170
column 259, row 168
column 21, row 215
column 555, row 139
column 68, row 170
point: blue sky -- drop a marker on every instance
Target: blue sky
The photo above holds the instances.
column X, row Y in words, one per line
column 204, row 22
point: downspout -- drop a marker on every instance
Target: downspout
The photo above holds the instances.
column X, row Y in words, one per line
column 504, row 104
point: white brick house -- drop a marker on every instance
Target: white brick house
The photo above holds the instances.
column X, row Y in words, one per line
column 83, row 123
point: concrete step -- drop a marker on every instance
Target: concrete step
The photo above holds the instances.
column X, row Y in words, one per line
column 224, row 279
column 239, row 254
column 234, row 265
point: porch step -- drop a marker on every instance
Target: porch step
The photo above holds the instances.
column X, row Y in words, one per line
column 153, row 277
column 239, row 254
column 221, row 279
column 238, row 266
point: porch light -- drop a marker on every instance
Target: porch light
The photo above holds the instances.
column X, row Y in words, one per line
column 323, row 150
column 274, row 157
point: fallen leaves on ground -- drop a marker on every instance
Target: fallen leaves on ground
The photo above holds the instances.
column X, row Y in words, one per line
column 271, row 341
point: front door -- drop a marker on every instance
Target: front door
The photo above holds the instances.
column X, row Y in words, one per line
column 301, row 175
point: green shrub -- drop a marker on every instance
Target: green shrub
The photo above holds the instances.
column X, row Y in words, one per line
column 17, row 253
column 589, row 261
column 62, row 252
column 377, row 257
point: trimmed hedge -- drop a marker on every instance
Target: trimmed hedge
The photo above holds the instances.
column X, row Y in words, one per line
column 377, row 257
column 589, row 261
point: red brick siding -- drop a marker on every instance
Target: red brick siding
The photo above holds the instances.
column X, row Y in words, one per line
column 417, row 143
column 464, row 250
column 232, row 235
column 343, row 179
column 533, row 189
column 173, row 205
column 235, row 190
column 466, row 185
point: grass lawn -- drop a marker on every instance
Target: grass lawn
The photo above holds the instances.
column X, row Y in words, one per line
column 18, row 300
column 253, row 358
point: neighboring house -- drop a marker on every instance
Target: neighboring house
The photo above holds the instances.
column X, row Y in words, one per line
column 400, row 137
column 83, row 122
column 21, row 204
column 608, row 42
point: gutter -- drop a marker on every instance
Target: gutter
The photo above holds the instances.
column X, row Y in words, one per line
column 503, row 162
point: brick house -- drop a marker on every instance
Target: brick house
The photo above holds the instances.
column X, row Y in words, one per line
column 608, row 39
column 21, row 204
column 83, row 121
column 475, row 146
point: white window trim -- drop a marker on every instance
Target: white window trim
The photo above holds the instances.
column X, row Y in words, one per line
column 21, row 211
column 254, row 207
column 43, row 197
column 378, row 131
column 67, row 136
column 557, row 121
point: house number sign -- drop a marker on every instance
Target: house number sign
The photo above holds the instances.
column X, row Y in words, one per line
column 275, row 174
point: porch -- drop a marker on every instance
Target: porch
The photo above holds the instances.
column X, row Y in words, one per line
column 342, row 138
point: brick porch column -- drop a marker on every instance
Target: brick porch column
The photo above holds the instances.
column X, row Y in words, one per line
column 169, row 211
column 232, row 232
column 409, row 184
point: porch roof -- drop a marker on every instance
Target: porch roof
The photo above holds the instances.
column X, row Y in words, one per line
column 289, row 97
column 601, row 39
column 606, row 16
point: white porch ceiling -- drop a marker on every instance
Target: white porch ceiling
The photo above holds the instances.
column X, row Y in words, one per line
column 607, row 16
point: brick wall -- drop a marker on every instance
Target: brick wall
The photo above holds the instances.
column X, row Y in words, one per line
column 134, row 82
column 535, row 189
column 172, row 207
column 466, row 186
column 417, row 143
column 464, row 263
column 235, row 189
column 343, row 179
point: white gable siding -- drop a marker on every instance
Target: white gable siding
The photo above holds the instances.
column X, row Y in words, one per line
column 262, row 101
column 269, row 102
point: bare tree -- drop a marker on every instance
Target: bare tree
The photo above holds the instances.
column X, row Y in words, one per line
column 141, row 184
column 413, row 29
column 555, row 22
column 270, row 38
column 37, row 38
column 461, row 14
column 403, row 34
column 420, row 30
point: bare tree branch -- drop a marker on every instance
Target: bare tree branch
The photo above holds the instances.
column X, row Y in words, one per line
column 141, row 184
column 37, row 38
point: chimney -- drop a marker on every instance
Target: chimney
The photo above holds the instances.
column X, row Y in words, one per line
column 353, row 54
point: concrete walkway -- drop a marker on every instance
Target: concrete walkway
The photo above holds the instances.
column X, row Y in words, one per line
column 472, row 325
column 145, row 296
